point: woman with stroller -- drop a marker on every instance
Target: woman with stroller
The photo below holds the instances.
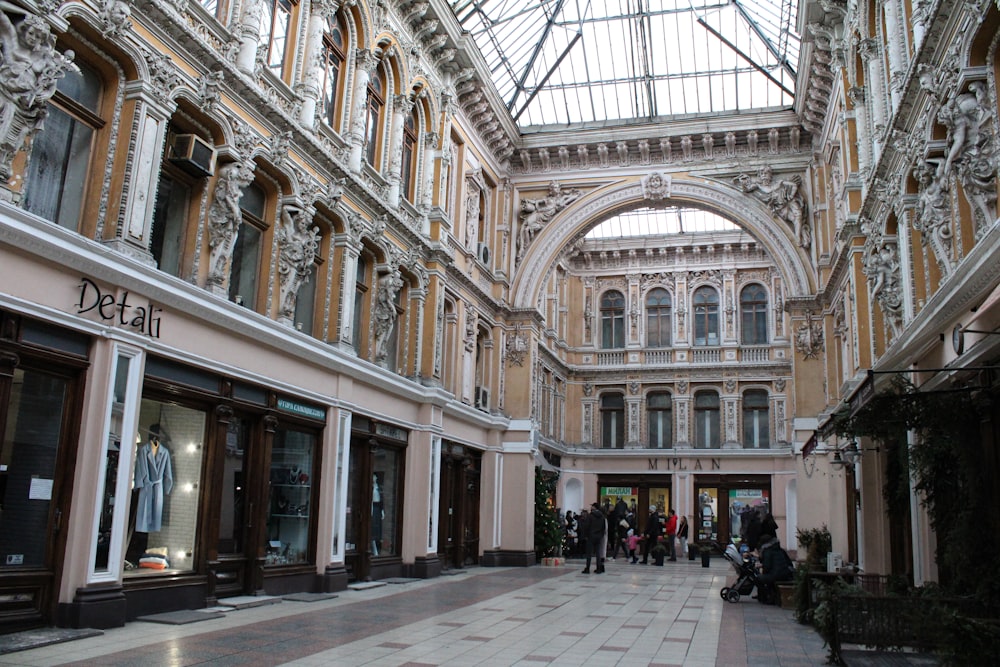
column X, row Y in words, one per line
column 776, row 565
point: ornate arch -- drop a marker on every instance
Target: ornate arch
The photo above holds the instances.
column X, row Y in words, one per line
column 571, row 223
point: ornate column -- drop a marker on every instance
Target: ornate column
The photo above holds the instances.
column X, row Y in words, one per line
column 682, row 412
column 366, row 62
column 862, row 126
column 350, row 251
column 730, row 418
column 248, row 33
column 871, row 55
column 321, row 12
column 588, row 410
column 152, row 109
column 402, row 105
column 425, row 196
column 633, row 410
column 418, row 302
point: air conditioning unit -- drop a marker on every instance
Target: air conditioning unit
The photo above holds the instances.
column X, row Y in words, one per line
column 192, row 154
column 482, row 398
column 483, row 253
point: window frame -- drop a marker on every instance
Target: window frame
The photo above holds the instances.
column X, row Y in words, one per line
column 706, row 316
column 656, row 437
column 612, row 320
column 612, row 428
column 707, row 421
column 334, row 60
column 753, row 315
column 661, row 315
column 760, row 413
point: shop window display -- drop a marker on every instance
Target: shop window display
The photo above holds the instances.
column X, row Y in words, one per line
column 385, row 488
column 165, row 489
column 708, row 515
column 291, row 495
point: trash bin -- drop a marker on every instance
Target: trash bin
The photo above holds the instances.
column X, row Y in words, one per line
column 706, row 556
column 692, row 551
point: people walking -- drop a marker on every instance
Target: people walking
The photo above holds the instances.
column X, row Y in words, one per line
column 597, row 530
column 652, row 533
column 682, row 535
column 671, row 530
column 632, row 542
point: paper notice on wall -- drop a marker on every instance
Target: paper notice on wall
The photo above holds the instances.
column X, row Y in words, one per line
column 41, row 489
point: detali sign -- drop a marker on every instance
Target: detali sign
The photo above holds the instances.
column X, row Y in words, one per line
column 118, row 312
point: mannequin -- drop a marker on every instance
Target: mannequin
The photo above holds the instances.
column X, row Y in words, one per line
column 377, row 515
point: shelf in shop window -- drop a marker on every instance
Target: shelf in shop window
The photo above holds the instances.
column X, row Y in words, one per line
column 291, row 486
column 291, row 516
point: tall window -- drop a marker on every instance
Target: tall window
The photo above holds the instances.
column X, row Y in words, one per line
column 658, row 318
column 333, row 70
column 373, row 122
column 169, row 221
column 612, row 320
column 275, row 32
column 613, row 421
column 706, row 316
column 245, row 264
column 706, row 420
column 56, row 179
column 753, row 315
column 409, row 164
column 659, row 413
column 756, row 431
column 360, row 292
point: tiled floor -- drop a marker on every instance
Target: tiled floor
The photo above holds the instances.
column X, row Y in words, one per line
column 631, row 615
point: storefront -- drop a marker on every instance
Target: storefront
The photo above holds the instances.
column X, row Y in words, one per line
column 375, row 500
column 723, row 504
column 42, row 379
column 458, row 523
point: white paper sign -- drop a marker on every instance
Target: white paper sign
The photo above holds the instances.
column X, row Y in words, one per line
column 41, row 489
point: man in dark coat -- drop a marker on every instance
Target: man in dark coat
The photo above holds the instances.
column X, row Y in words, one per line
column 597, row 527
column 776, row 565
column 651, row 534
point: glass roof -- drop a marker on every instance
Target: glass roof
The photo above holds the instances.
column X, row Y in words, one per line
column 565, row 62
column 661, row 221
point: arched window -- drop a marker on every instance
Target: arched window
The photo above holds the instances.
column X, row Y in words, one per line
column 334, row 48
column 612, row 320
column 706, row 420
column 613, row 421
column 706, row 316
column 409, row 160
column 658, row 308
column 659, row 414
column 373, row 122
column 276, row 34
column 244, row 268
column 56, row 181
column 756, row 430
column 753, row 315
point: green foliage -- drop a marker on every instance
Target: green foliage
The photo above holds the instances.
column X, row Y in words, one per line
column 949, row 465
column 548, row 527
column 818, row 543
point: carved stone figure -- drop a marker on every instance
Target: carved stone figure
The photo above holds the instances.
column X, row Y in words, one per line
column 932, row 217
column 298, row 243
column 536, row 213
column 881, row 266
column 809, row 337
column 971, row 151
column 384, row 313
column 656, row 186
column 224, row 219
column 782, row 197
column 30, row 69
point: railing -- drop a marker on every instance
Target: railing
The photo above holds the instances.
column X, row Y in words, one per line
column 752, row 354
column 706, row 356
column 610, row 358
column 659, row 357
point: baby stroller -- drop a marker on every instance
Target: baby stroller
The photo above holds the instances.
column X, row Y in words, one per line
column 746, row 574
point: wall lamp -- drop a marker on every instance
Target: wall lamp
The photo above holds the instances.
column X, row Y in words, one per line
column 850, row 455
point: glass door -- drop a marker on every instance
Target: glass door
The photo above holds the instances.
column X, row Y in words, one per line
column 33, row 427
column 233, row 568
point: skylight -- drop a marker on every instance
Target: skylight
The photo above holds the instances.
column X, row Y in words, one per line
column 567, row 62
column 661, row 221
